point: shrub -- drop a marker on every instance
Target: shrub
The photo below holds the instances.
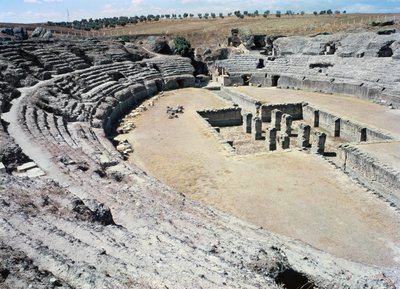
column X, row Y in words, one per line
column 183, row 46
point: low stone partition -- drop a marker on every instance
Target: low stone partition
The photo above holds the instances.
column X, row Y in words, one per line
column 371, row 172
column 294, row 109
column 358, row 88
column 336, row 126
column 223, row 117
column 215, row 132
column 244, row 101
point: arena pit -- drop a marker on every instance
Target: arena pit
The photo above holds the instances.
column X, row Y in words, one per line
column 333, row 212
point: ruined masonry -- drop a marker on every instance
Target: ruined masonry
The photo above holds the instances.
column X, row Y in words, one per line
column 247, row 122
column 318, row 144
column 257, row 128
column 271, row 139
column 303, row 137
column 276, row 119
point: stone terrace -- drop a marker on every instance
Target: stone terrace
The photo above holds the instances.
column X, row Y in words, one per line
column 364, row 65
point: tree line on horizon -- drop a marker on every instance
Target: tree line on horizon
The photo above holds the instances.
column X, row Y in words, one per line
column 112, row 22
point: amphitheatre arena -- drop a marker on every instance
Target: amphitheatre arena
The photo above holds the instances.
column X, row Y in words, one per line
column 267, row 162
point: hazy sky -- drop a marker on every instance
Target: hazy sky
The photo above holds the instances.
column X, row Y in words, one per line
column 56, row 10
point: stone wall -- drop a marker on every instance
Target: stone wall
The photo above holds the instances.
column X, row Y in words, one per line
column 294, row 109
column 244, row 101
column 364, row 90
column 181, row 81
column 364, row 66
column 223, row 117
column 371, row 172
column 215, row 132
column 129, row 99
column 334, row 125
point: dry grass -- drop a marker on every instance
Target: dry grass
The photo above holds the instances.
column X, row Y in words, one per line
column 212, row 32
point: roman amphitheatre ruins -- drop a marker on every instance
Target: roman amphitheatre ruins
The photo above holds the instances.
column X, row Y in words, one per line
column 265, row 161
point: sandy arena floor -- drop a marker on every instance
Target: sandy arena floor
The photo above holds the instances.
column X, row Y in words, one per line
column 291, row 193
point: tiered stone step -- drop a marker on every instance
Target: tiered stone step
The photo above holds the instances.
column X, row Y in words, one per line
column 52, row 62
column 173, row 66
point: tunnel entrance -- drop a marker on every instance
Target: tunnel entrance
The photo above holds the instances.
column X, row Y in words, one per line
column 337, row 128
column 260, row 63
column 181, row 83
column 275, row 79
column 246, row 79
column 363, row 137
column 386, row 50
column 291, row 279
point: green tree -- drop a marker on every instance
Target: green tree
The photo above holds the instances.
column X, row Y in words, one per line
column 278, row 14
column 183, row 46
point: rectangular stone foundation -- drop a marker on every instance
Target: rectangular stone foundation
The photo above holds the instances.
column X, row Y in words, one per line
column 373, row 173
column 223, row 117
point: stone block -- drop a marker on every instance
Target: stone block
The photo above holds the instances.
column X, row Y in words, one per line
column 284, row 141
column 2, row 168
column 247, row 122
column 303, row 136
column 318, row 144
column 276, row 118
column 286, row 124
column 25, row 167
column 257, row 128
column 270, row 139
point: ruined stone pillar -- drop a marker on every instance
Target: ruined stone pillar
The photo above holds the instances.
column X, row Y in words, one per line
column 247, row 121
column 270, row 138
column 286, row 124
column 285, row 141
column 337, row 127
column 316, row 118
column 318, row 145
column 276, row 118
column 257, row 128
column 303, row 136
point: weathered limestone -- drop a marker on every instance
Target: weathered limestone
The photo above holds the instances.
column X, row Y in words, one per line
column 247, row 122
column 270, row 138
column 223, row 117
column 316, row 118
column 286, row 124
column 257, row 128
column 318, row 144
column 2, row 168
column 303, row 137
column 327, row 63
column 26, row 167
column 276, row 118
column 284, row 141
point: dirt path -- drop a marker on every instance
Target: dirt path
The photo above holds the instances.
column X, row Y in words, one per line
column 291, row 193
